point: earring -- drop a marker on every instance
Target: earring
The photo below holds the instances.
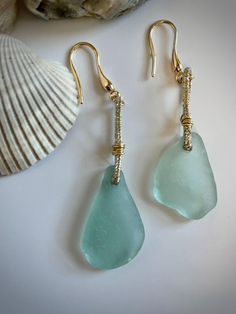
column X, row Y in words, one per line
column 184, row 179
column 114, row 232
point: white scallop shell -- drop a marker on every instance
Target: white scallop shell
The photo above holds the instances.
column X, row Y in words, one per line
column 38, row 105
column 7, row 14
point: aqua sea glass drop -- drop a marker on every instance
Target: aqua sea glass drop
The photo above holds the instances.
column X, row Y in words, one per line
column 114, row 231
column 184, row 180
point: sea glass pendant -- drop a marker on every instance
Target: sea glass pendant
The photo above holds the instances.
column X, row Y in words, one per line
column 114, row 231
column 184, row 180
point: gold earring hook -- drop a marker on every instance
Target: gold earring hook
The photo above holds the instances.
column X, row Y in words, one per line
column 105, row 82
column 176, row 64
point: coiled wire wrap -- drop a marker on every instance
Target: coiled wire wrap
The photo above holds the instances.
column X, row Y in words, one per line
column 186, row 119
column 119, row 146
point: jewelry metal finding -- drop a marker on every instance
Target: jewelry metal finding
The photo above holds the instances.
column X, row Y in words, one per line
column 119, row 146
column 176, row 63
column 186, row 119
column 183, row 77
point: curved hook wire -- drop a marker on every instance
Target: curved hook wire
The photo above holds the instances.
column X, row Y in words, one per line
column 105, row 82
column 176, row 64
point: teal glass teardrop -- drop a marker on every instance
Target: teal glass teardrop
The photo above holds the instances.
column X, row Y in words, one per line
column 184, row 180
column 114, row 231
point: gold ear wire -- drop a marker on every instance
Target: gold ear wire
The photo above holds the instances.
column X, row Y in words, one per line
column 176, row 64
column 119, row 146
column 183, row 77
column 105, row 82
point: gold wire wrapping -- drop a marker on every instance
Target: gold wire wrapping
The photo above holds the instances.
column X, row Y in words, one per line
column 182, row 77
column 186, row 119
column 119, row 146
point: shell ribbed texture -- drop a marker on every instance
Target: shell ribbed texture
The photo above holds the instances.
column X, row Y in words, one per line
column 38, row 106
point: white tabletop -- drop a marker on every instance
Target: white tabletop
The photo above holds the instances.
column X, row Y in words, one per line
column 184, row 267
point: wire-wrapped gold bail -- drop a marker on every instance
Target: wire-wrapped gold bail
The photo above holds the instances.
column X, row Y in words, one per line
column 118, row 147
column 186, row 119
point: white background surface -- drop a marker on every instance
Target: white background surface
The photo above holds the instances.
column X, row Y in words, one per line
column 184, row 267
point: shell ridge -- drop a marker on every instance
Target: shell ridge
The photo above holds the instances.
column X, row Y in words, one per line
column 31, row 59
column 4, row 144
column 5, row 168
column 14, row 165
column 51, row 73
column 10, row 118
column 9, row 162
column 44, row 95
column 23, row 126
column 42, row 108
column 57, row 71
column 38, row 106
column 47, row 83
column 43, row 121
column 33, row 124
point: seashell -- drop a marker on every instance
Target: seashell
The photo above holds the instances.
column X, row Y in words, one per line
column 103, row 9
column 38, row 106
column 8, row 10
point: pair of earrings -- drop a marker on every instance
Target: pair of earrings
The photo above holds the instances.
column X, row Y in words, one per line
column 184, row 181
